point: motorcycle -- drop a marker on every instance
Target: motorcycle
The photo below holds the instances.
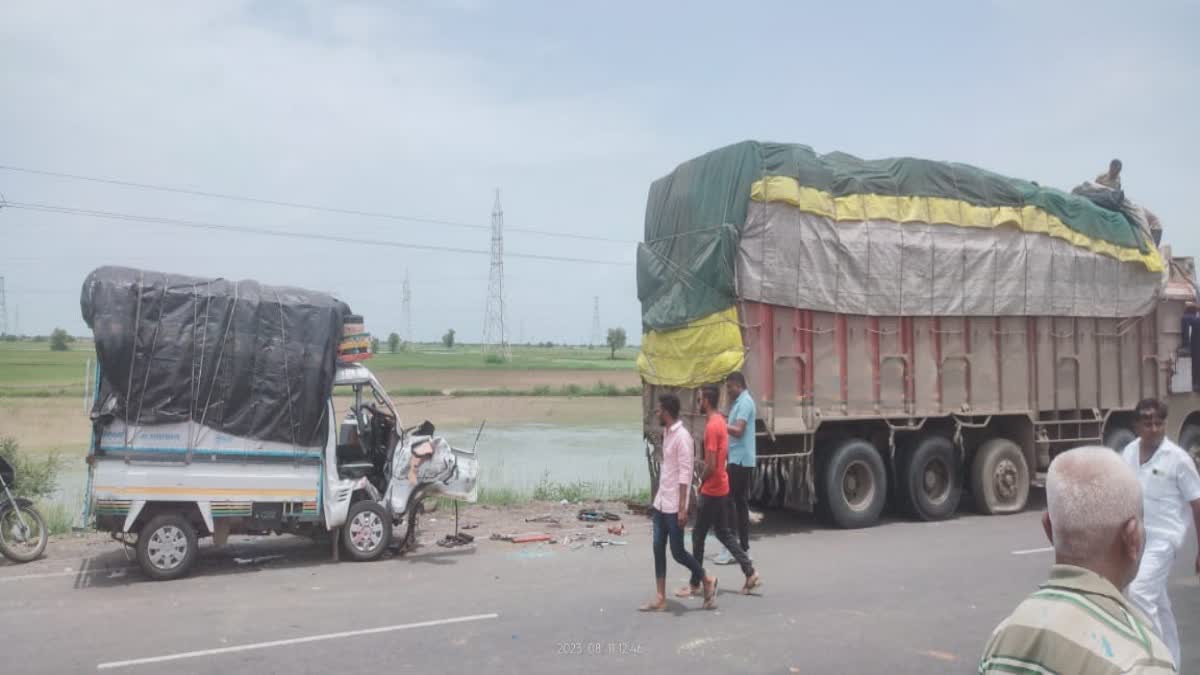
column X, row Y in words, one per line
column 23, row 532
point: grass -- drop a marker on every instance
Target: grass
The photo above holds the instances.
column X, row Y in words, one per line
column 30, row 368
column 565, row 391
column 59, row 518
column 524, row 357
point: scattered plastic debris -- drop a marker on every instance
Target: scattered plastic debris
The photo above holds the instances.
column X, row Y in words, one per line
column 617, row 530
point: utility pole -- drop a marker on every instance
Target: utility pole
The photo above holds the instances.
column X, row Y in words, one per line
column 3, row 309
column 596, row 337
column 406, row 310
column 495, row 341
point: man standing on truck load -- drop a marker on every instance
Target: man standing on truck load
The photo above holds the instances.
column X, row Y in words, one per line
column 669, row 512
column 713, row 509
column 1111, row 179
column 1078, row 622
column 742, row 458
column 1171, row 490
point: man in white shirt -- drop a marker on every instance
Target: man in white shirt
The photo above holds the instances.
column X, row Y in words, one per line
column 1171, row 490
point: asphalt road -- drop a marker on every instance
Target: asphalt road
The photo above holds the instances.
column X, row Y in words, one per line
column 899, row 598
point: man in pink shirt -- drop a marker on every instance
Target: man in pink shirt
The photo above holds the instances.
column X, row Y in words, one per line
column 670, row 509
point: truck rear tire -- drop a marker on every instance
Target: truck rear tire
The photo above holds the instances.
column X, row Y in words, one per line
column 1118, row 438
column 367, row 532
column 167, row 547
column 855, row 485
column 1000, row 478
column 932, row 478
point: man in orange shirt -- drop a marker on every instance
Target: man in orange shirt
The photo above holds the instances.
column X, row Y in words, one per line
column 713, row 509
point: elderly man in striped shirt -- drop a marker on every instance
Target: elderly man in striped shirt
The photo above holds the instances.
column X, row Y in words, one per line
column 1078, row 621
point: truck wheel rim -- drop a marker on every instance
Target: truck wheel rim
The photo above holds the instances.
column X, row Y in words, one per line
column 366, row 531
column 23, row 537
column 935, row 481
column 1004, row 477
column 858, row 486
column 167, row 547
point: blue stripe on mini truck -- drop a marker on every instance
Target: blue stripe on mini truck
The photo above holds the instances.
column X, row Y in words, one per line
column 218, row 452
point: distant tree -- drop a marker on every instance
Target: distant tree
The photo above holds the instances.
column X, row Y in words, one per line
column 58, row 340
column 616, row 340
column 448, row 339
column 394, row 343
column 39, row 338
column 374, row 345
column 10, row 338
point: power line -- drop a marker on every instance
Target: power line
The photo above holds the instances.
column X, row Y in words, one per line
column 245, row 229
column 300, row 205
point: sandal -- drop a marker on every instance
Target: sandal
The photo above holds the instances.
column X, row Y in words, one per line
column 710, row 596
column 752, row 583
column 654, row 607
column 688, row 592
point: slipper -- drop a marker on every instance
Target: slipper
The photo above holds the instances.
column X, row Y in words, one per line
column 751, row 584
column 710, row 598
column 653, row 607
column 687, row 592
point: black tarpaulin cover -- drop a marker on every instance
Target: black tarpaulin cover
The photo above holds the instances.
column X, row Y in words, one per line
column 241, row 357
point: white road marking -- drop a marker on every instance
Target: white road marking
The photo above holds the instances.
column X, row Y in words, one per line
column 292, row 641
column 1030, row 551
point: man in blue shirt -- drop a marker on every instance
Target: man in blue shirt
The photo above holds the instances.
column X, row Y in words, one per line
column 742, row 459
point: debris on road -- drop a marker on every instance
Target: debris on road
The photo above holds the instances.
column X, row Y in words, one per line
column 601, row 543
column 617, row 530
column 258, row 560
column 592, row 516
column 527, row 538
column 544, row 518
column 455, row 540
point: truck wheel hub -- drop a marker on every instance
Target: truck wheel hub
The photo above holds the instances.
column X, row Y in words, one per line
column 1005, row 477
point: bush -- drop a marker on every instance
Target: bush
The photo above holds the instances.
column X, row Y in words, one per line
column 34, row 478
column 58, row 340
column 493, row 359
column 10, row 338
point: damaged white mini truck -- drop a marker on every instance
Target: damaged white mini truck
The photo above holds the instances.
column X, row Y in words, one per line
column 231, row 407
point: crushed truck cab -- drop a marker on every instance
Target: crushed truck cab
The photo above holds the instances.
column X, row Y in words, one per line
column 251, row 453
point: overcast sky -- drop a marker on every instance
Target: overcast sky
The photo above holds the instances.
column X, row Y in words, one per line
column 571, row 109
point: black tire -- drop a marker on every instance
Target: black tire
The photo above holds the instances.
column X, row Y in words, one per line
column 932, row 475
column 1189, row 440
column 855, row 485
column 167, row 547
column 1118, row 438
column 367, row 532
column 18, row 550
column 1000, row 478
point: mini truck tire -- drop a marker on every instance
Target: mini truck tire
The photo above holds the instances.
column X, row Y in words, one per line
column 167, row 547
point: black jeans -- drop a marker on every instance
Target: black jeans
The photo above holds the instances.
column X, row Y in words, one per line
column 739, row 495
column 1191, row 340
column 666, row 526
column 714, row 513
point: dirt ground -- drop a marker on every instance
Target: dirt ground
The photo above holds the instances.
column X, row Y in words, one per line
column 60, row 425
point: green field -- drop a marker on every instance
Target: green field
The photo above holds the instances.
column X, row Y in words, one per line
column 437, row 357
column 30, row 369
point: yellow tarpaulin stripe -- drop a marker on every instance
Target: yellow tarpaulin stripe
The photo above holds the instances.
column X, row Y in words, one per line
column 912, row 209
column 702, row 352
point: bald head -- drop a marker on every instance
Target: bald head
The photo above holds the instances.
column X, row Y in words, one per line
column 1094, row 502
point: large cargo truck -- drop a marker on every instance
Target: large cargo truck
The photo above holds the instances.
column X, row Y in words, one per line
column 911, row 331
